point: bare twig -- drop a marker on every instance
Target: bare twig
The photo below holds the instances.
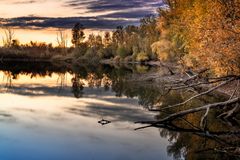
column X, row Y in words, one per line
column 203, row 119
column 234, row 92
column 229, row 113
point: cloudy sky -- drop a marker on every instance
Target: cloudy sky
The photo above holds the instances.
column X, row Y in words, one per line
column 93, row 14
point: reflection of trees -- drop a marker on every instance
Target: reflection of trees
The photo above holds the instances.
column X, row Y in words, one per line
column 77, row 86
column 62, row 81
column 31, row 69
column 9, row 77
column 195, row 143
column 216, row 140
column 106, row 82
column 93, row 80
column 100, row 76
column 188, row 140
column 148, row 95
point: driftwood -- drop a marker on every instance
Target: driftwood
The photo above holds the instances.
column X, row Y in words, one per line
column 191, row 77
column 231, row 106
column 198, row 95
column 209, row 106
column 184, row 86
column 194, row 110
column 232, row 100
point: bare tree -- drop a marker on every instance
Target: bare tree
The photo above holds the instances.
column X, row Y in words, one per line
column 62, row 40
column 8, row 37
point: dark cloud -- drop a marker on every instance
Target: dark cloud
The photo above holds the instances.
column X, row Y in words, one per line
column 114, row 13
column 67, row 22
column 126, row 15
column 25, row 2
column 114, row 5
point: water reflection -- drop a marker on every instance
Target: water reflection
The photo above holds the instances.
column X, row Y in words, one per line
column 58, row 108
column 77, row 86
column 53, row 112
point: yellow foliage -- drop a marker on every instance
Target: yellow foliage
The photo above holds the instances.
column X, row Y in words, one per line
column 207, row 30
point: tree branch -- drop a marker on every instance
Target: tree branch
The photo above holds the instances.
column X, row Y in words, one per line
column 185, row 112
column 201, row 94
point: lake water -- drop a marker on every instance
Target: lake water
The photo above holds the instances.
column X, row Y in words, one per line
column 53, row 112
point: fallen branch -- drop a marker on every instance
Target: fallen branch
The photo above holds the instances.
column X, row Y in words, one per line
column 192, row 77
column 235, row 91
column 203, row 119
column 184, row 86
column 229, row 113
column 194, row 110
column 201, row 94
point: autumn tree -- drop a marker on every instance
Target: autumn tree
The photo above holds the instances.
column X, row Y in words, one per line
column 203, row 33
column 118, row 35
column 77, row 34
column 107, row 39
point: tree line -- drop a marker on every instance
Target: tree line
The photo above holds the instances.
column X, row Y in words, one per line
column 201, row 33
column 195, row 34
column 130, row 43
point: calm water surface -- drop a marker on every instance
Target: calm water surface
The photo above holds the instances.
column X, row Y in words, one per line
column 48, row 113
column 41, row 118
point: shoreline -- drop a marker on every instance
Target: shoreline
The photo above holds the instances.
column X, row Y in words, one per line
column 112, row 62
column 156, row 78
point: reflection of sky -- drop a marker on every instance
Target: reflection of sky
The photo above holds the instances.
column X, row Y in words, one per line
column 63, row 127
column 93, row 14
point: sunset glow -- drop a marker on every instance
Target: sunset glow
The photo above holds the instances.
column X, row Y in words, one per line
column 119, row 79
column 39, row 20
column 47, row 35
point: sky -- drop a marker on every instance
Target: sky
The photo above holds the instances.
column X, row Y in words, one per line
column 38, row 17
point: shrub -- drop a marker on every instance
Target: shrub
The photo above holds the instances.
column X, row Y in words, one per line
column 122, row 52
column 106, row 53
column 142, row 69
column 117, row 59
column 142, row 57
column 80, row 50
column 128, row 59
column 90, row 53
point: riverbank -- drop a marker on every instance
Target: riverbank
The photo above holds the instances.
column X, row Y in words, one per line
column 113, row 62
column 163, row 73
column 162, row 76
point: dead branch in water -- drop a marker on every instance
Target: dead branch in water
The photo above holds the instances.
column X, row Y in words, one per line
column 184, row 86
column 198, row 95
column 230, row 105
column 194, row 110
column 193, row 76
column 229, row 113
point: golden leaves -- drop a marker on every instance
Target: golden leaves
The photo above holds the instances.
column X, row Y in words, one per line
column 209, row 31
